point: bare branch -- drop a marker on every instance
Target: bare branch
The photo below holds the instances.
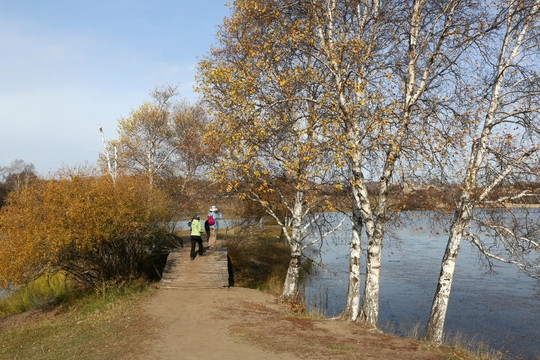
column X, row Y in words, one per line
column 328, row 233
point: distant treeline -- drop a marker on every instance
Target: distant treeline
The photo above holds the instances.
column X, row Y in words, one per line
column 436, row 197
column 432, row 197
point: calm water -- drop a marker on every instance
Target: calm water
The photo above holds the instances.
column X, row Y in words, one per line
column 502, row 310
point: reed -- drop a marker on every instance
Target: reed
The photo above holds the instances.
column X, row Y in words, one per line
column 462, row 346
column 44, row 290
column 472, row 344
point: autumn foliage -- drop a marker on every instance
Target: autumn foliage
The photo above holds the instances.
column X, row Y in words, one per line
column 82, row 224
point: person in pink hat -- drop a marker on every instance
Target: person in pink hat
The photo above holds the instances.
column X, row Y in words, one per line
column 213, row 216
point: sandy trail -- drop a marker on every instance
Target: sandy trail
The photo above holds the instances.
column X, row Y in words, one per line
column 197, row 324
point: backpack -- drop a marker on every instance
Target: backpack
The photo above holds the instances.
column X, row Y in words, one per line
column 211, row 220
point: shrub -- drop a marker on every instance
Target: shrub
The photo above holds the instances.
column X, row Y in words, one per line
column 93, row 229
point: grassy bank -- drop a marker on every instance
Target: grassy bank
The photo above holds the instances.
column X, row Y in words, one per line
column 87, row 326
column 259, row 257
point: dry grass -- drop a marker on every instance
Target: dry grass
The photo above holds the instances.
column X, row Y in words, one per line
column 311, row 338
column 259, row 257
column 92, row 327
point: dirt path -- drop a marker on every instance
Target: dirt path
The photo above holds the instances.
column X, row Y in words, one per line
column 194, row 310
column 239, row 323
column 199, row 324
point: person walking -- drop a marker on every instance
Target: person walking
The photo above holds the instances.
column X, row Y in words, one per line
column 213, row 216
column 196, row 236
column 207, row 230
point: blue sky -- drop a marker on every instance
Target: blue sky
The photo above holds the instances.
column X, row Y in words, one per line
column 69, row 66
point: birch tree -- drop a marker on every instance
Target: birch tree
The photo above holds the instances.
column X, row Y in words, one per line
column 144, row 144
column 18, row 174
column 349, row 34
column 264, row 88
column 193, row 157
column 162, row 140
column 503, row 150
column 385, row 58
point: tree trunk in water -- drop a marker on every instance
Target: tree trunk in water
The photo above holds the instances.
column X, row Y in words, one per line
column 435, row 326
column 352, row 309
column 370, row 305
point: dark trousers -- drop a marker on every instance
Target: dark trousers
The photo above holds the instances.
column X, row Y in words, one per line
column 196, row 239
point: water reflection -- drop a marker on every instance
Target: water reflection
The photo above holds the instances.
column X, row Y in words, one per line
column 501, row 309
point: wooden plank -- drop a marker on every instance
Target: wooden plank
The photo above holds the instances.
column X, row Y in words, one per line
column 204, row 272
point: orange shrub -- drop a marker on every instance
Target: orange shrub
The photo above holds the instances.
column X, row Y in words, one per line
column 81, row 223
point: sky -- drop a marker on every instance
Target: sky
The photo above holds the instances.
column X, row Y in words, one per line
column 68, row 67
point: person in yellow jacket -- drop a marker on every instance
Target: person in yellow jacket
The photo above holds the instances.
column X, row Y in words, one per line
column 196, row 236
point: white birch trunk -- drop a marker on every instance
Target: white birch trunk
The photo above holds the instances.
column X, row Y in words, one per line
column 352, row 308
column 369, row 312
column 294, row 239
column 290, row 286
column 112, row 171
column 434, row 329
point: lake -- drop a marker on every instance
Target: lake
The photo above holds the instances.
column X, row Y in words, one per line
column 502, row 310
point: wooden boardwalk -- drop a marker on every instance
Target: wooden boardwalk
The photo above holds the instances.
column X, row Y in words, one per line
column 205, row 272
